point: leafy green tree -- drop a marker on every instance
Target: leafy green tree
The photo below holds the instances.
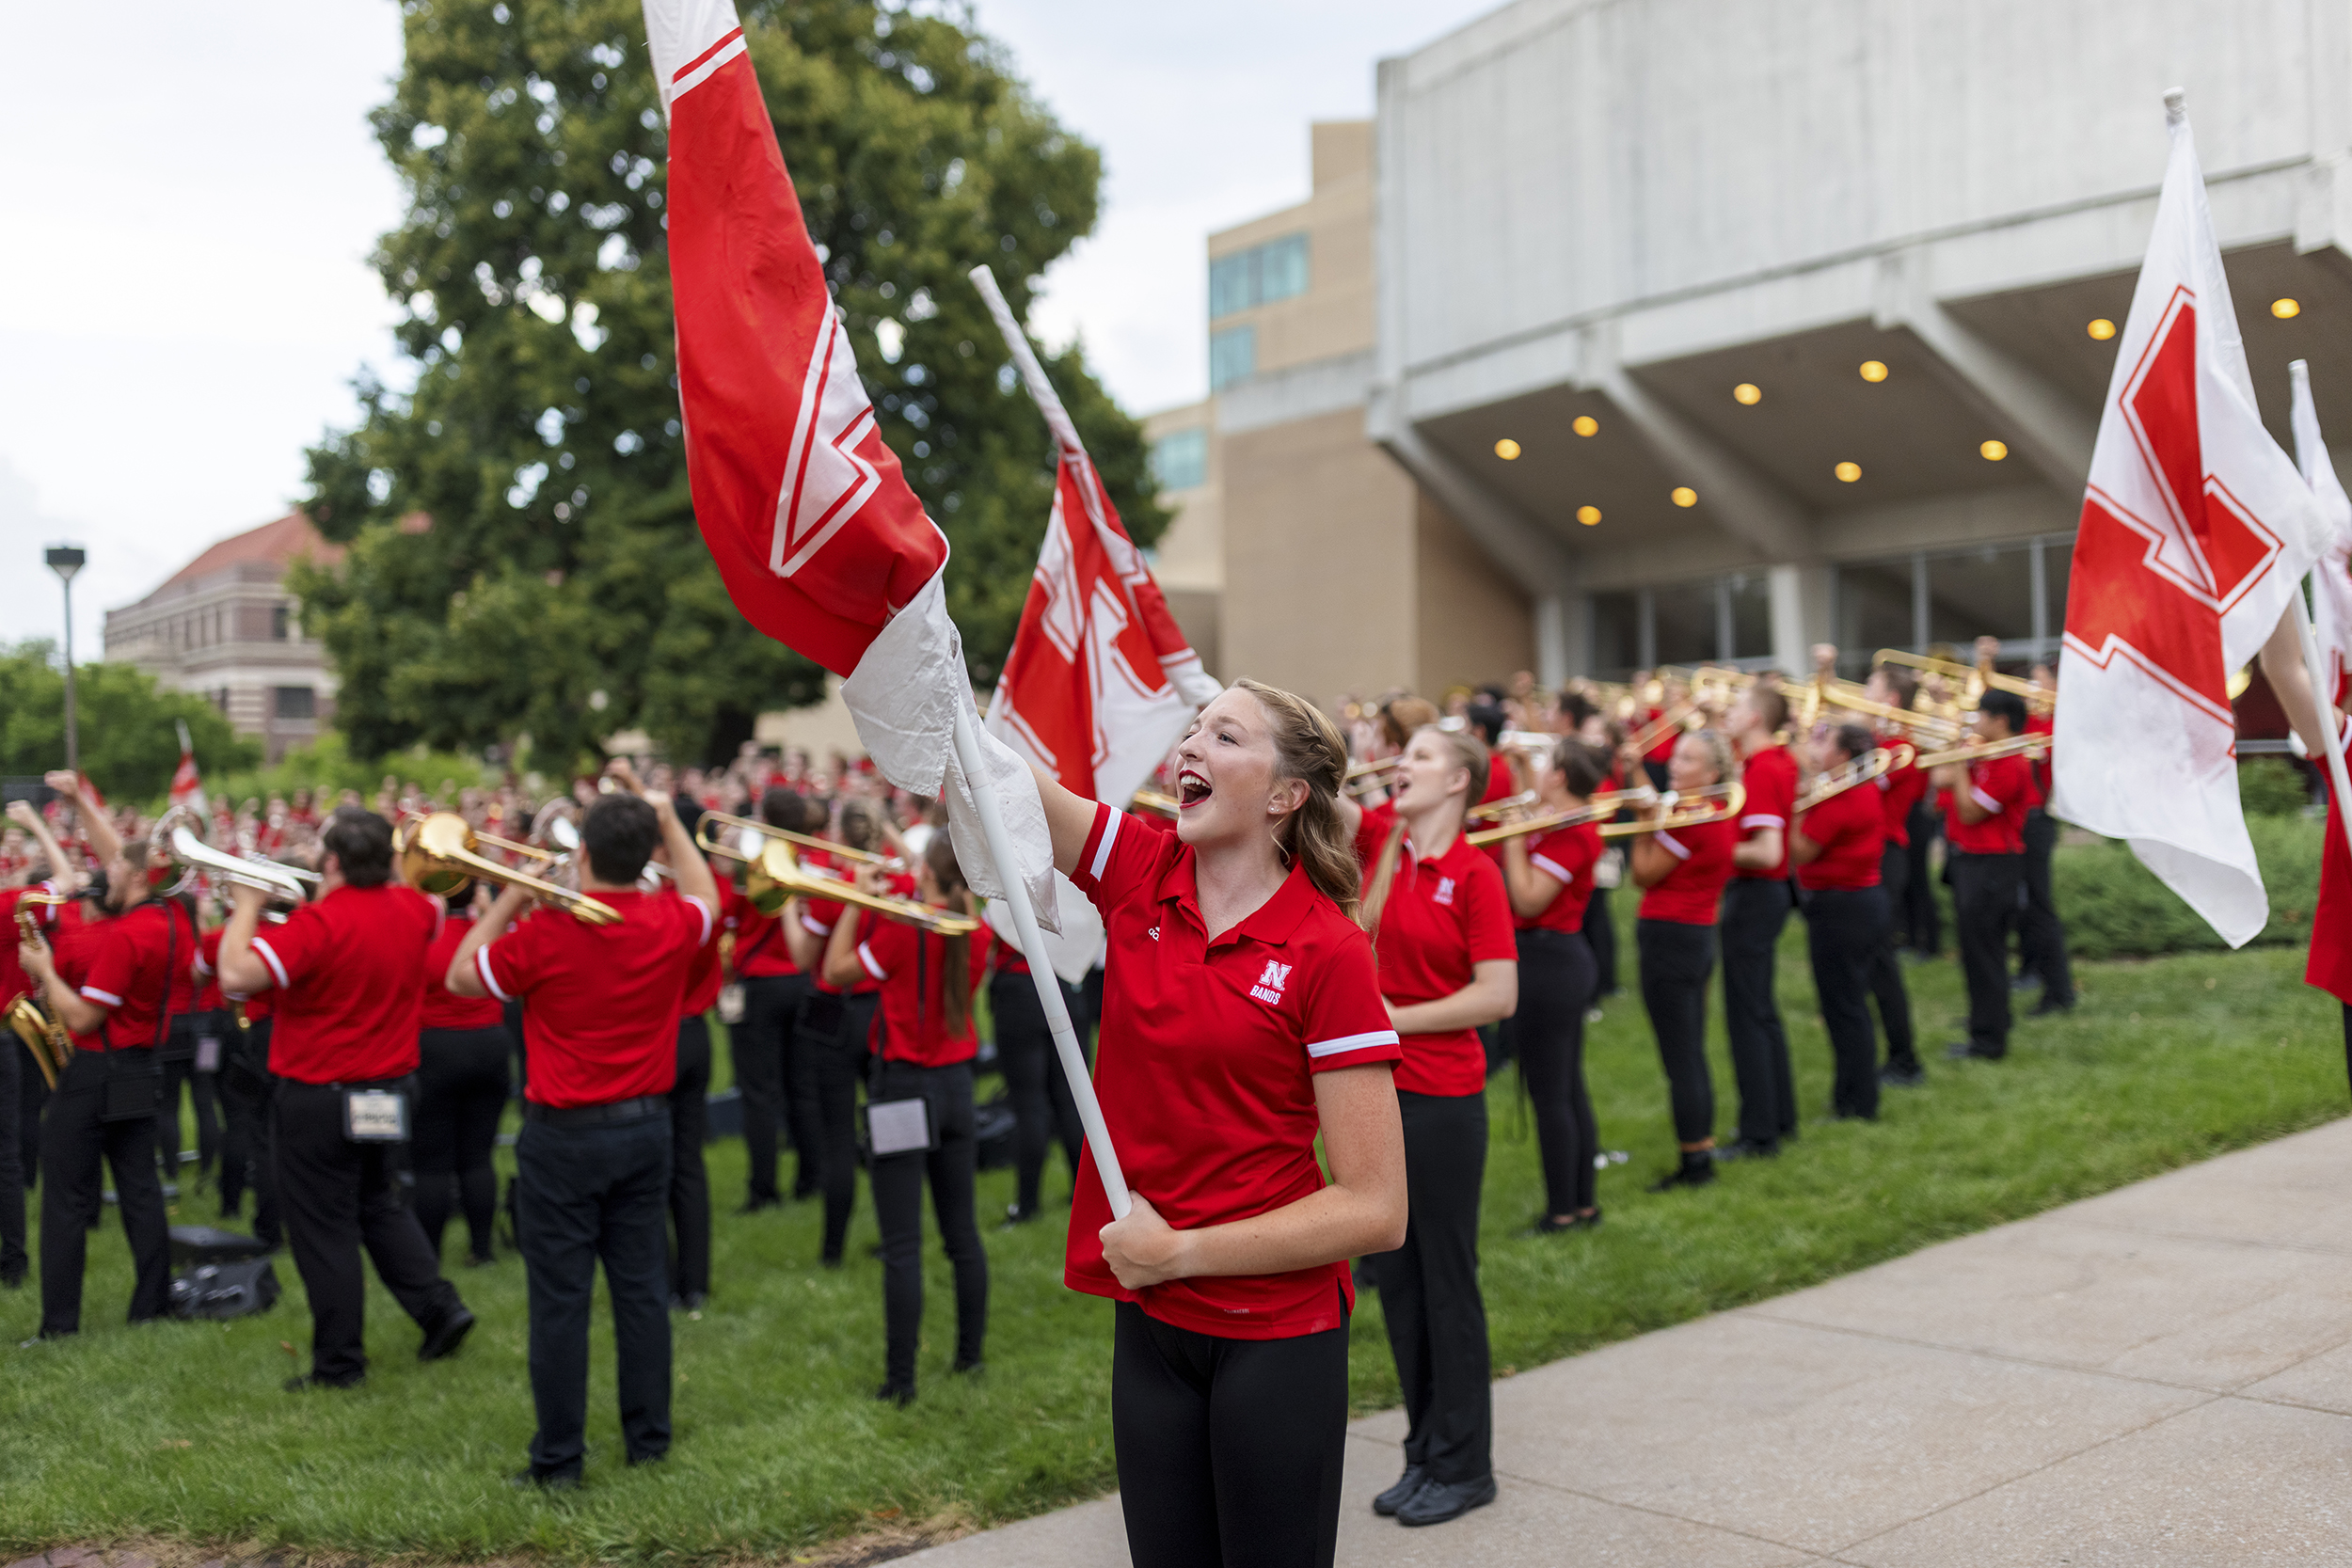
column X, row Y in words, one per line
column 523, row 555
column 122, row 724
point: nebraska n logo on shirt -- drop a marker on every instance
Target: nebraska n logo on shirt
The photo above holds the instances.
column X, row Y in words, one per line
column 1270, row 984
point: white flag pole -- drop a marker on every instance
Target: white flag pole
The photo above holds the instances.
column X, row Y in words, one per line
column 2322, row 685
column 1024, row 358
column 1073, row 1062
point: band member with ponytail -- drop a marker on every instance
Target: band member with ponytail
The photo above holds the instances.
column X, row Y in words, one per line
column 1441, row 931
column 924, row 1042
column 1239, row 987
column 1682, row 871
column 1984, row 822
column 1756, row 908
column 1550, row 879
column 1838, row 846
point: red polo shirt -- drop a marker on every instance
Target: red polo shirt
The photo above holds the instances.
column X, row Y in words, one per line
column 350, row 974
column 1850, row 828
column 600, row 1022
column 444, row 1008
column 761, row 950
column 14, row 982
column 1664, row 749
column 702, row 979
column 2001, row 787
column 819, row 914
column 1568, row 855
column 1771, row 778
column 1207, row 1071
column 1899, row 789
column 911, row 966
column 2039, row 768
column 126, row 966
column 1692, row 893
column 1443, row 916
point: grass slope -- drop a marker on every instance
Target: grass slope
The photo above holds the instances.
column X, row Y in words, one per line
column 179, row 1431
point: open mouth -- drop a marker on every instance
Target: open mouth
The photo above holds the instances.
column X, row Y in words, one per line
column 1191, row 788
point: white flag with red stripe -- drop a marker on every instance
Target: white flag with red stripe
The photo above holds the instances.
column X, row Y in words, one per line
column 2331, row 574
column 2195, row 530
column 187, row 785
column 821, row 543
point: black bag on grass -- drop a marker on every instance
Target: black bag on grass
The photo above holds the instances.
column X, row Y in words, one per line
column 213, row 1292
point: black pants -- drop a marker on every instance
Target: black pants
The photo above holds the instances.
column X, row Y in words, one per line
column 1886, row 970
column 1675, row 961
column 952, row 1169
column 1230, row 1451
column 1984, row 902
column 180, row 1068
column 1600, row 936
column 72, row 1139
column 1429, row 1294
column 1755, row 911
column 32, row 1094
column 1555, row 988
column 763, row 1046
column 248, row 1090
column 1921, row 920
column 340, row 1197
column 1044, row 1112
column 1846, row 930
column 461, row 1094
column 584, row 1194
column 2041, row 934
column 828, row 1063
column 690, row 1177
column 13, row 1259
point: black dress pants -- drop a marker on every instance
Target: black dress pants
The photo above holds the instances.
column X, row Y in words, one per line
column 72, row 1139
column 13, row 1259
column 1548, row 1032
column 1230, row 1451
column 247, row 1091
column 188, row 1032
column 461, row 1094
column 1846, row 930
column 2041, row 934
column 829, row 1062
column 690, row 1177
column 951, row 1168
column 1600, row 936
column 1887, row 969
column 763, row 1045
column 340, row 1197
column 1921, row 919
column 1437, row 1318
column 1044, row 1112
column 32, row 1094
column 1984, row 902
column 1675, row 961
column 584, row 1195
column 1755, row 911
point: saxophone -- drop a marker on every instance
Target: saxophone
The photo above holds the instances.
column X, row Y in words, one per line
column 46, row 1037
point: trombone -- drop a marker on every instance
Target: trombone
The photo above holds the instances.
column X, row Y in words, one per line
column 1596, row 808
column 1923, row 726
column 775, row 875
column 46, row 1037
column 1868, row 768
column 2040, row 699
column 441, row 854
column 1715, row 804
column 173, row 842
column 785, row 836
column 2015, row 746
column 1156, row 803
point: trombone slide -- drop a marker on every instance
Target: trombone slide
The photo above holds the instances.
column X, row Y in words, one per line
column 1715, row 804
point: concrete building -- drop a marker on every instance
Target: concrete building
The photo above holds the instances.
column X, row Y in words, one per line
column 225, row 625
column 1700, row 329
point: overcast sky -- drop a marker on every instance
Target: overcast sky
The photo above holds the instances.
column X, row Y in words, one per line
column 184, row 297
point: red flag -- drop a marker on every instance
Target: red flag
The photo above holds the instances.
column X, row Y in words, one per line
column 187, row 785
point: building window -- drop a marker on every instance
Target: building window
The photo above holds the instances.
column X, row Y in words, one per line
column 2015, row 592
column 281, row 622
column 1262, row 275
column 295, row 701
column 1233, row 356
column 1179, row 460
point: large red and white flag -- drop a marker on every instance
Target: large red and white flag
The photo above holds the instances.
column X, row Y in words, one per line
column 2195, row 530
column 187, row 785
column 2331, row 574
column 821, row 543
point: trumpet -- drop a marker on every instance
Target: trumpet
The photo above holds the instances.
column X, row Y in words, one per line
column 1863, row 769
column 441, row 854
column 172, row 842
column 2039, row 699
column 1597, row 808
column 2015, row 746
column 785, row 836
column 1923, row 726
column 776, row 875
column 1691, row 809
column 1154, row 801
column 1363, row 778
column 46, row 1037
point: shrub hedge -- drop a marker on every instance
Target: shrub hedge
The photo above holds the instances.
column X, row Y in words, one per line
column 2115, row 908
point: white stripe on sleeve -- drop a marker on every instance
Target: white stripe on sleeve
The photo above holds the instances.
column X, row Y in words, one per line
column 1351, row 1042
column 261, row 945
column 1672, row 845
column 109, row 998
column 1551, row 867
column 865, row 957
column 1103, row 851
column 1983, row 799
column 705, row 911
column 481, row 967
column 1763, row 819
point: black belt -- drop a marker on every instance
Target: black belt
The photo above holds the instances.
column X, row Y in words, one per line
column 611, row 1113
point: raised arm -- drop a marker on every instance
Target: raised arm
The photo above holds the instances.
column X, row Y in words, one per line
column 2291, row 681
column 1530, row 887
column 67, row 876
column 104, row 841
column 1069, row 815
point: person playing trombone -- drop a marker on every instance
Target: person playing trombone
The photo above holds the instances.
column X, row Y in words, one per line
column 1984, row 822
column 1836, row 847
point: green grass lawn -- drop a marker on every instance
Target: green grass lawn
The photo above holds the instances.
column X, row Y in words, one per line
column 178, row 1432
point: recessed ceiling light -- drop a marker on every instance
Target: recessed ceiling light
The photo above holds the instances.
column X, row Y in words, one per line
column 1506, row 448
column 2286, row 309
column 1585, row 424
column 1849, row 472
column 1994, row 451
column 2101, row 328
column 1682, row 495
column 1588, row 516
column 1873, row 369
column 1748, row 392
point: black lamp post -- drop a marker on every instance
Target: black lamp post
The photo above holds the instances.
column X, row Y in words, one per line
column 66, row 559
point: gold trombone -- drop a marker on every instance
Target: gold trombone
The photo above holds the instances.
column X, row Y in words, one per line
column 1975, row 679
column 785, row 836
column 46, row 1037
column 441, row 854
column 1596, row 808
column 776, row 875
column 1923, row 726
column 2016, row 745
column 1692, row 809
column 1867, row 769
column 1157, row 804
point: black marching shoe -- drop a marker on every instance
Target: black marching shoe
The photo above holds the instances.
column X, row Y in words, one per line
column 754, row 1205
column 1016, row 1215
column 690, row 1301
column 1696, row 1170
column 1746, row 1148
column 894, row 1393
column 2049, row 1004
column 1552, row 1225
column 1968, row 1051
column 1413, row 1480
column 1439, row 1501
column 1910, row 1077
column 545, row 1481
column 446, row 1336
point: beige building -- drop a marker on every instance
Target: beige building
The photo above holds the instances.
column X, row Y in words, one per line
column 225, row 625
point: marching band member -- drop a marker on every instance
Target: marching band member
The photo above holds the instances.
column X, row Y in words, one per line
column 248, row 1090
column 763, row 1044
column 1984, row 822
column 689, row 1095
column 925, row 1044
column 593, row 1164
column 21, row 1083
column 1838, row 846
column 1240, row 988
column 347, row 970
column 1550, row 879
column 462, row 1087
column 1899, row 791
column 837, row 1023
column 1755, row 909
column 1441, row 932
column 2041, row 932
column 1682, row 871
column 1606, row 739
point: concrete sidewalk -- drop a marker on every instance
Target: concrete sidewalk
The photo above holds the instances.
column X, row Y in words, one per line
column 2162, row 1374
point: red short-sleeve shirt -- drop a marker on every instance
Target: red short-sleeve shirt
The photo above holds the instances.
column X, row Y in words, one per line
column 1692, row 893
column 13, row 980
column 1771, row 779
column 1852, row 830
column 911, row 966
column 702, row 979
column 125, row 965
column 1899, row 789
column 2001, row 786
column 444, row 1008
column 1443, row 916
column 601, row 1019
column 760, row 949
column 1568, row 854
column 1207, row 1071
column 349, row 973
